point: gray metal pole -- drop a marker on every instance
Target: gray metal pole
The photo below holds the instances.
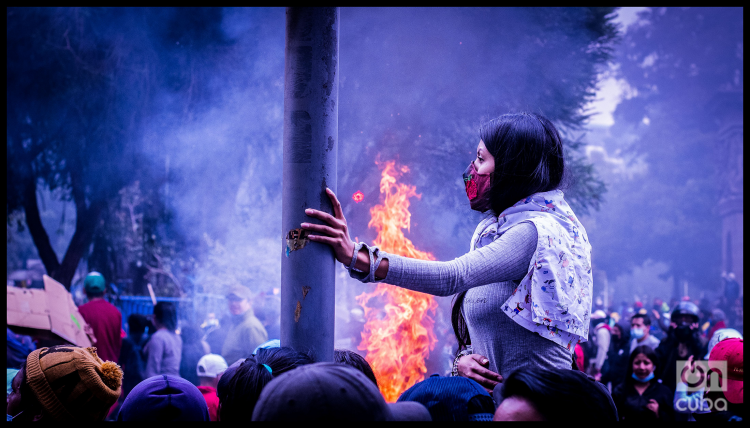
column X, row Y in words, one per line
column 311, row 90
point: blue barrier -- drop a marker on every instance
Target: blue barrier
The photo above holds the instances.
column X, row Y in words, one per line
column 189, row 309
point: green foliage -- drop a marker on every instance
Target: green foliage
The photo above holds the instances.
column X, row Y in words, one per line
column 685, row 65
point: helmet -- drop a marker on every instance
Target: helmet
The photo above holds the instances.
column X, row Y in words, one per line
column 685, row 308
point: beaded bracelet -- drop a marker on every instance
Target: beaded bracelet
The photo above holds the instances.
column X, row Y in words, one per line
column 467, row 351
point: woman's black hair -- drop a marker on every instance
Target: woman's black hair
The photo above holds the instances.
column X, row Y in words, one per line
column 555, row 392
column 355, row 360
column 137, row 324
column 646, row 319
column 528, row 153
column 642, row 349
column 240, row 388
column 166, row 314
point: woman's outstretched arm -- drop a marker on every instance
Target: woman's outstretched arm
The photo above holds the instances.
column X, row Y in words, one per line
column 505, row 259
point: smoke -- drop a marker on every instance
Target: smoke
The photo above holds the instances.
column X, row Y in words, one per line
column 414, row 85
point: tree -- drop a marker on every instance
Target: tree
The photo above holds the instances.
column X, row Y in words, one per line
column 82, row 86
column 682, row 63
column 63, row 122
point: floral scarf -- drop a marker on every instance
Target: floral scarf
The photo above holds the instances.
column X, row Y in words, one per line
column 554, row 298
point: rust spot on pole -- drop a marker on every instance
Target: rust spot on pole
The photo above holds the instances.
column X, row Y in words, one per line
column 296, row 239
column 297, row 311
column 305, row 290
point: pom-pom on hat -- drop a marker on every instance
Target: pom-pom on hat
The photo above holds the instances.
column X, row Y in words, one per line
column 72, row 383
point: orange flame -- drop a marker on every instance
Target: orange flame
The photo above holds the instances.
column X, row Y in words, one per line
column 399, row 337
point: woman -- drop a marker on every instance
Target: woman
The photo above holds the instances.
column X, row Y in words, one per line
column 523, row 292
column 618, row 355
column 239, row 387
column 641, row 397
column 164, row 349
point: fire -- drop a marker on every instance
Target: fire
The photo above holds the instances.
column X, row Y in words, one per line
column 399, row 337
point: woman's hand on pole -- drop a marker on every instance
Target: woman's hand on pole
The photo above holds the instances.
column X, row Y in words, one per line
column 473, row 366
column 335, row 234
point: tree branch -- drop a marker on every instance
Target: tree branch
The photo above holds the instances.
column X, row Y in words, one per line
column 36, row 228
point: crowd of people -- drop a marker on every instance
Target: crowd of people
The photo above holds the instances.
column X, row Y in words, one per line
column 640, row 364
column 658, row 360
column 532, row 345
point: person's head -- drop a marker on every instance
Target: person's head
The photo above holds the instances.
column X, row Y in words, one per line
column 329, row 392
column 684, row 321
column 190, row 334
column 165, row 315
column 717, row 315
column 524, row 153
column 355, row 360
column 641, row 364
column 64, row 383
column 137, row 325
column 94, row 285
column 209, row 369
column 239, row 389
column 164, row 398
column 452, row 398
column 640, row 324
column 598, row 317
column 726, row 360
column 549, row 395
column 239, row 298
column 718, row 336
column 620, row 332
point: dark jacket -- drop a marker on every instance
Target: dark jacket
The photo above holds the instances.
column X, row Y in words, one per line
column 668, row 354
column 616, row 366
column 133, row 362
column 631, row 406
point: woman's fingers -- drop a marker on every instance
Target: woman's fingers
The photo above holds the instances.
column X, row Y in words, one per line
column 482, row 360
column 320, row 215
column 321, row 228
column 487, row 384
column 489, row 374
column 480, row 367
column 337, row 212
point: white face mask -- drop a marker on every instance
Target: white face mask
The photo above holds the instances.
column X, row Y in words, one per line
column 637, row 332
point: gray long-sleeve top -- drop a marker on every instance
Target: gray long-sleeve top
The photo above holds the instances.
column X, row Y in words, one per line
column 163, row 354
column 489, row 275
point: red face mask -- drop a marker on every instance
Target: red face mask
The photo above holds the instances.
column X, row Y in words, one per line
column 477, row 188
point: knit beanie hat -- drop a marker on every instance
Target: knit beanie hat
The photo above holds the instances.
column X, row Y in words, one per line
column 164, row 398
column 72, row 383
